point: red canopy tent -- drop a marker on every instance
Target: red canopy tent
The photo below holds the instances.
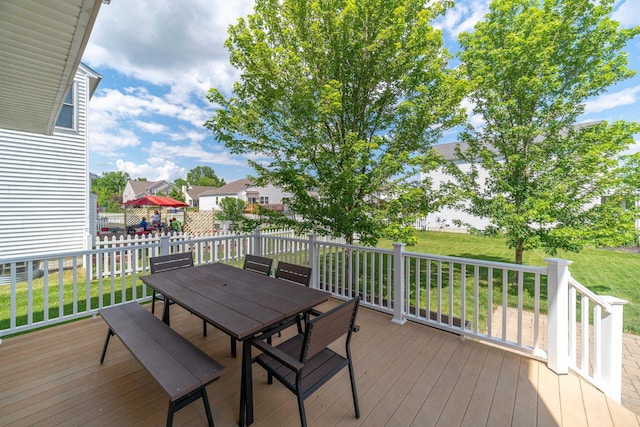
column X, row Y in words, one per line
column 153, row 201
column 161, row 201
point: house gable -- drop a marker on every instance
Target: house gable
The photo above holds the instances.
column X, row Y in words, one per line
column 136, row 189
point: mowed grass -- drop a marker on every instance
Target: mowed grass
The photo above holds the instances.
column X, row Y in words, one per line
column 605, row 272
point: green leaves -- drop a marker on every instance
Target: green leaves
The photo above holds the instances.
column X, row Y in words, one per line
column 335, row 97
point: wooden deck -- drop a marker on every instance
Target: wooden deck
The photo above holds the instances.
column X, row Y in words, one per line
column 408, row 375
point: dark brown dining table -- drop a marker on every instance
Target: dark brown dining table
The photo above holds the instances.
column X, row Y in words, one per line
column 241, row 303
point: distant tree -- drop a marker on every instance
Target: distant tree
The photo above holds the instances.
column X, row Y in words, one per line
column 205, row 176
column 532, row 64
column 109, row 188
column 339, row 97
column 231, row 209
column 180, row 182
column 176, row 193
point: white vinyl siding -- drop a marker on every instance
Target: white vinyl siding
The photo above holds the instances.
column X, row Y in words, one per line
column 44, row 187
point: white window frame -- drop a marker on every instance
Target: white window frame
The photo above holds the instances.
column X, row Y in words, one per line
column 74, row 114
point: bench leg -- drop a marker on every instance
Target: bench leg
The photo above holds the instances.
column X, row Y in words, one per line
column 184, row 401
column 106, row 343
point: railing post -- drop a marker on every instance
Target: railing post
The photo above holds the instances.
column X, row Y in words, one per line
column 611, row 372
column 165, row 245
column 558, row 314
column 313, row 262
column 89, row 243
column 398, row 284
column 257, row 242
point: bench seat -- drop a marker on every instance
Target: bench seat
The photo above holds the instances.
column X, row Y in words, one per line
column 180, row 368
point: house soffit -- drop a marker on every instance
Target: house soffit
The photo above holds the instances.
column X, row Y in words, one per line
column 41, row 44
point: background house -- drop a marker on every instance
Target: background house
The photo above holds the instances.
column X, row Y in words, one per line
column 192, row 194
column 244, row 189
column 447, row 218
column 136, row 189
column 454, row 219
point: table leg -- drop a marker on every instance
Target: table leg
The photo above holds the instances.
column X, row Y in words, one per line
column 246, row 387
column 165, row 312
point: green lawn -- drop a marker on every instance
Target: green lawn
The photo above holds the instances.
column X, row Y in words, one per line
column 603, row 271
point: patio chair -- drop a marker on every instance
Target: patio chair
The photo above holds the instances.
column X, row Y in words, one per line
column 162, row 263
column 304, row 363
column 297, row 274
column 258, row 264
column 294, row 273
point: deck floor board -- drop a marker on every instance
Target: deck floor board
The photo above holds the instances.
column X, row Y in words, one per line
column 405, row 374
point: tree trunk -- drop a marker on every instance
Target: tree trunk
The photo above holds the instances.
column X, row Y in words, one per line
column 519, row 251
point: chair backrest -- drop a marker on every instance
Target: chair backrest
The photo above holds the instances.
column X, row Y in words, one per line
column 323, row 330
column 258, row 264
column 293, row 273
column 170, row 262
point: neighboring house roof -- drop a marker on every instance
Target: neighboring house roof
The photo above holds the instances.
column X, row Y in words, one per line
column 232, row 188
column 447, row 150
column 195, row 190
column 141, row 188
column 41, row 44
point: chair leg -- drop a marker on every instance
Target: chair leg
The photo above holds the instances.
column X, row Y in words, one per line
column 353, row 389
column 106, row 343
column 299, row 324
column 303, row 416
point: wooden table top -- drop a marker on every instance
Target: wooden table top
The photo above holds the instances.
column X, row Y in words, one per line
column 239, row 302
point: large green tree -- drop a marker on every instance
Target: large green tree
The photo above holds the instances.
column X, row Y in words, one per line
column 336, row 99
column 532, row 64
column 109, row 188
column 205, row 176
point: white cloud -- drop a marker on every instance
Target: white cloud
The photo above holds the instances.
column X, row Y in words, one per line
column 154, row 169
column 627, row 12
column 166, row 43
column 612, row 100
column 111, row 144
column 463, row 17
column 151, row 127
column 635, row 148
column 197, row 152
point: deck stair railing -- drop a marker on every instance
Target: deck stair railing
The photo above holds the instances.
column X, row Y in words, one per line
column 595, row 338
column 536, row 310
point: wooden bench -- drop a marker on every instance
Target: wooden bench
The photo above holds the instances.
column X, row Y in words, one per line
column 181, row 368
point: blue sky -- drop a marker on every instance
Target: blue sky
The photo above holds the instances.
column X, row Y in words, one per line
column 158, row 59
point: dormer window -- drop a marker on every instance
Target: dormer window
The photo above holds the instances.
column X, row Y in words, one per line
column 67, row 117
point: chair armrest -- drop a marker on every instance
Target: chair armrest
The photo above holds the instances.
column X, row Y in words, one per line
column 314, row 312
column 279, row 355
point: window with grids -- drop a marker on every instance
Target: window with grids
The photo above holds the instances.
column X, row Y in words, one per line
column 67, row 117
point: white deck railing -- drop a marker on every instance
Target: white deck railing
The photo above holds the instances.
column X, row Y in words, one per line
column 533, row 310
